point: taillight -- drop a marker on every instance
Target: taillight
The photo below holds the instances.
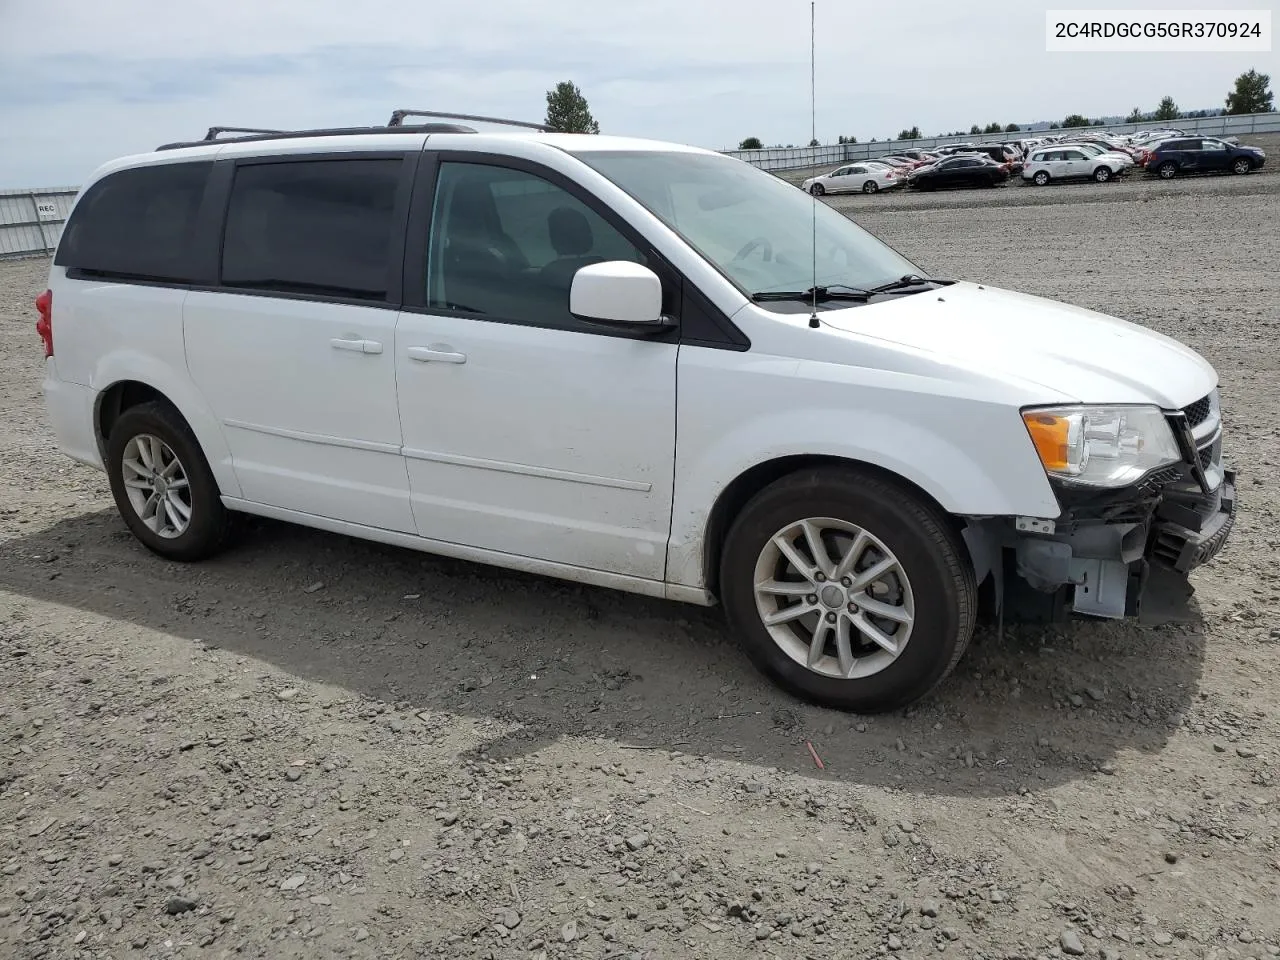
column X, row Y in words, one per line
column 44, row 326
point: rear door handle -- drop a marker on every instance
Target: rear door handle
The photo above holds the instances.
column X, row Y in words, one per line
column 438, row 353
column 356, row 346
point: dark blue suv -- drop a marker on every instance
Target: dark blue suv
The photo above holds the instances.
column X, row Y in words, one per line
column 1201, row 155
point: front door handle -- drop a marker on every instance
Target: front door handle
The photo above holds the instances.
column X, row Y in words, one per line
column 438, row 353
column 356, row 346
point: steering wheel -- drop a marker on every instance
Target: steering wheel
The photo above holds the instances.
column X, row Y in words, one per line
column 750, row 246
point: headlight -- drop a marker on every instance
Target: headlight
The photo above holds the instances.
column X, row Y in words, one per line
column 1101, row 446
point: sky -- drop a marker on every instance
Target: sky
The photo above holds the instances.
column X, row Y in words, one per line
column 85, row 81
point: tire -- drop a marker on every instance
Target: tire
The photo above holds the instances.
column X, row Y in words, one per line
column 870, row 187
column 1041, row 178
column 208, row 523
column 1241, row 166
column 1167, row 170
column 817, row 190
column 933, row 583
column 1102, row 174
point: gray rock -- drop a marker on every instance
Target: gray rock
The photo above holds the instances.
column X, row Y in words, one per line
column 569, row 932
column 360, row 934
column 894, row 942
column 638, row 841
column 1071, row 944
column 287, row 694
column 509, row 919
column 397, row 725
column 115, row 860
column 1076, row 700
column 293, row 774
column 293, row 882
column 929, row 908
column 1095, row 693
column 1246, row 753
column 312, row 588
column 177, row 905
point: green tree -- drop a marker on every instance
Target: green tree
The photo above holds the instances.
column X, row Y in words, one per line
column 1168, row 110
column 751, row 143
column 975, row 129
column 1012, row 128
column 814, row 142
column 1251, row 95
column 567, row 110
column 1075, row 120
column 1055, row 126
column 912, row 134
column 992, row 128
column 1135, row 116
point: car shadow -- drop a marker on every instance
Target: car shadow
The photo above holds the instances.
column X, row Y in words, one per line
column 1029, row 709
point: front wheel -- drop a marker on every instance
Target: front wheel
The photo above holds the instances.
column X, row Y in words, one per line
column 1241, row 166
column 817, row 190
column 849, row 591
column 1102, row 174
column 870, row 187
column 162, row 484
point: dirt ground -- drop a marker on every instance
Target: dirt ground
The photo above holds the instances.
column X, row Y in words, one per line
column 315, row 747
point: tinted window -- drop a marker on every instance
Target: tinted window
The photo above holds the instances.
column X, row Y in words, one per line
column 1073, row 155
column 506, row 244
column 137, row 223
column 313, row 227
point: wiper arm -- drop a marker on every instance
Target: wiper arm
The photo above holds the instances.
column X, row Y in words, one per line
column 902, row 283
column 836, row 291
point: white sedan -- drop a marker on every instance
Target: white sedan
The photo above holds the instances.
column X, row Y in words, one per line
column 866, row 177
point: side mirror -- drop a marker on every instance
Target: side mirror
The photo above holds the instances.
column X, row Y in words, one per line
column 618, row 293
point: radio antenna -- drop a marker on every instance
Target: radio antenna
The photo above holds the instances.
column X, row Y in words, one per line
column 813, row 138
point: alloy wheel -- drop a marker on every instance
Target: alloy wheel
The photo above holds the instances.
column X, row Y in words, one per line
column 834, row 598
column 157, row 485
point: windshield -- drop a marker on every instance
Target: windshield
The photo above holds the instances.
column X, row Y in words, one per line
column 755, row 228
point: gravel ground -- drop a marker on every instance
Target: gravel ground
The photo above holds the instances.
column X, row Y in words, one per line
column 315, row 747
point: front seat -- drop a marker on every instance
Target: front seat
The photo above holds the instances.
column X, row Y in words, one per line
column 572, row 240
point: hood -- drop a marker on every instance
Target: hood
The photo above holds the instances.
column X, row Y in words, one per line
column 1087, row 356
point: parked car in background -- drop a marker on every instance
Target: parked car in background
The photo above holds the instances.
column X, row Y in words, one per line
column 1124, row 161
column 959, row 171
column 1071, row 162
column 999, row 153
column 1201, row 155
column 854, row 178
column 924, row 156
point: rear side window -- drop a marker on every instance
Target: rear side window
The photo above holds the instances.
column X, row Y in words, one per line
column 313, row 227
column 137, row 224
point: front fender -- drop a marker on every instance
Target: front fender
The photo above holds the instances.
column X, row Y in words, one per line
column 971, row 454
column 124, row 364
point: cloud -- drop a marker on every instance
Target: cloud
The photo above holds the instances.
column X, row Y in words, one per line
column 84, row 82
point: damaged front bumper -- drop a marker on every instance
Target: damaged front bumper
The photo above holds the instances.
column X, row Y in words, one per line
column 1117, row 553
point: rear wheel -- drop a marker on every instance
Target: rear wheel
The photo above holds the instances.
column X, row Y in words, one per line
column 847, row 590
column 817, row 190
column 1040, row 179
column 162, row 484
column 1241, row 166
column 870, row 187
column 1168, row 170
column 1102, row 174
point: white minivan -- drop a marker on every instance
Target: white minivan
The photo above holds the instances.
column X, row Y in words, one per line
column 627, row 363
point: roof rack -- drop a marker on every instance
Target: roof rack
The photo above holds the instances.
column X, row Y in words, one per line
column 397, row 118
column 215, row 131
column 321, row 132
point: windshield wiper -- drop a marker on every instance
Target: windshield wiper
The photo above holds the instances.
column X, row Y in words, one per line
column 836, row 291
column 902, row 283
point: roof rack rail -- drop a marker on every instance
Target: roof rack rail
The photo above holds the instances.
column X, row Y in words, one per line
column 397, row 119
column 322, row 132
column 215, row 131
